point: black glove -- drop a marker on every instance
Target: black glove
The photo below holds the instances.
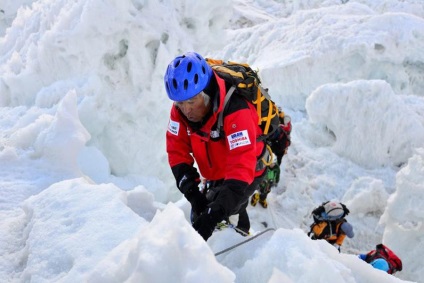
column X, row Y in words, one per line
column 187, row 178
column 212, row 193
column 228, row 197
column 206, row 222
column 197, row 200
column 227, row 200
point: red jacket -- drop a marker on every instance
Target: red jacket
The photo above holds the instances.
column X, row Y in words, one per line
column 231, row 157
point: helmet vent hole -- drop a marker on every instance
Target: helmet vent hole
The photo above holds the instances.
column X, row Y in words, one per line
column 174, row 83
column 203, row 70
column 177, row 63
column 185, row 84
column 196, row 78
column 189, row 66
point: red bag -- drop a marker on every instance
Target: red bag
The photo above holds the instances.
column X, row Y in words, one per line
column 381, row 251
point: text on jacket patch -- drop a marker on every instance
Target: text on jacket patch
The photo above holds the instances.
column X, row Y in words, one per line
column 238, row 139
column 173, row 127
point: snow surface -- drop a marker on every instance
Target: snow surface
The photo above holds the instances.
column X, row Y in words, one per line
column 86, row 194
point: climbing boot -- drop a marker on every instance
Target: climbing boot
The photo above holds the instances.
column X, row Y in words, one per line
column 263, row 203
column 254, row 199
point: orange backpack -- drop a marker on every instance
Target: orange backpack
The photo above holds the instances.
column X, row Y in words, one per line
column 329, row 231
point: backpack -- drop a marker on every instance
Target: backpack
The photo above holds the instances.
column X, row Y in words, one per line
column 328, row 218
column 248, row 84
column 327, row 230
column 330, row 211
column 381, row 251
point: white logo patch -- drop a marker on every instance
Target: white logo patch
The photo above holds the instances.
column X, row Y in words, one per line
column 173, row 127
column 238, row 139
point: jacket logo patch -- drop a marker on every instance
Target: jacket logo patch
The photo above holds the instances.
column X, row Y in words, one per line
column 173, row 127
column 238, row 139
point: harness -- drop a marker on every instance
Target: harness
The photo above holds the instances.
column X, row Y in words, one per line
column 326, row 230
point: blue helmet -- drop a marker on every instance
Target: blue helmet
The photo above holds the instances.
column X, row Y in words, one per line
column 381, row 264
column 186, row 76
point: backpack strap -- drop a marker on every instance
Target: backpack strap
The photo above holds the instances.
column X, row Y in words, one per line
column 339, row 223
column 228, row 96
column 264, row 92
column 261, row 95
column 220, row 122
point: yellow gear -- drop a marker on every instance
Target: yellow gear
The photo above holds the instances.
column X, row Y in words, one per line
column 254, row 199
column 264, row 203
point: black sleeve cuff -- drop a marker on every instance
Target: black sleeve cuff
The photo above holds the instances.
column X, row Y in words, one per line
column 183, row 169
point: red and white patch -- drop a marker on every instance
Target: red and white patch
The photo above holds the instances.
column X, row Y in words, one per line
column 238, row 139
